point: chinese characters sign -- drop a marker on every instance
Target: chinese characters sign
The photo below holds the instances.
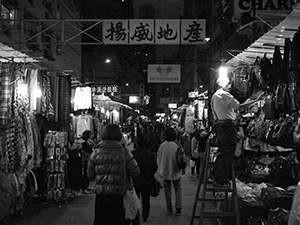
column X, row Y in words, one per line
column 163, row 73
column 150, row 31
column 105, row 89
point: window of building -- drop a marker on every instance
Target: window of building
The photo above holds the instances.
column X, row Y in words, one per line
column 9, row 14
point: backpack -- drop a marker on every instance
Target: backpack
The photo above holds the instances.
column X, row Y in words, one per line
column 180, row 157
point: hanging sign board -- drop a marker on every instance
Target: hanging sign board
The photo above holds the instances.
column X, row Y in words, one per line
column 167, row 32
column 264, row 8
column 163, row 73
column 149, row 31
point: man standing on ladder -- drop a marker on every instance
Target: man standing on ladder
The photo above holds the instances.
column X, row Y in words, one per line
column 224, row 110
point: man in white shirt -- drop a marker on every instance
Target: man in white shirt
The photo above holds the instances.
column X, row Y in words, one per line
column 224, row 109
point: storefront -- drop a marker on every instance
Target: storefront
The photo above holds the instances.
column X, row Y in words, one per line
column 268, row 153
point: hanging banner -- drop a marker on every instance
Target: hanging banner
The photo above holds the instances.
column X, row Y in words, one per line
column 141, row 31
column 192, row 31
column 149, row 31
column 167, row 32
column 163, row 73
column 115, row 31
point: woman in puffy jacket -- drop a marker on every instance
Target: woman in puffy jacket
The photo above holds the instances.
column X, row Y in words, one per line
column 106, row 168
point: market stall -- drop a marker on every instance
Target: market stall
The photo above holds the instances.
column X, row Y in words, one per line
column 31, row 109
column 267, row 157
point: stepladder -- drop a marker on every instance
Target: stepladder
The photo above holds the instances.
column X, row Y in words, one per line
column 214, row 205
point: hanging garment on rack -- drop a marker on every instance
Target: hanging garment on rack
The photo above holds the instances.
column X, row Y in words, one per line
column 54, row 82
column 32, row 85
column 83, row 122
column 83, row 98
column 47, row 104
column 64, row 99
column 5, row 92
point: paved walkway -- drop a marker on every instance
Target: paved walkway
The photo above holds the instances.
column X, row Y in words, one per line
column 79, row 210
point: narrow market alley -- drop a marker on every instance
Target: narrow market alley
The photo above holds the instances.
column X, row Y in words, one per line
column 79, row 210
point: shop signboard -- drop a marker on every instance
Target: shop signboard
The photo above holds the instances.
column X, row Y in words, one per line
column 134, row 99
column 164, row 73
column 150, row 31
column 105, row 89
column 266, row 9
column 172, row 105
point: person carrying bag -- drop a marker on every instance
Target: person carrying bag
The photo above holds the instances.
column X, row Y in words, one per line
column 109, row 164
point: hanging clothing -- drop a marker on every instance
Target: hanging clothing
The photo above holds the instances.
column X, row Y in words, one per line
column 5, row 92
column 82, row 123
column 32, row 85
column 83, row 98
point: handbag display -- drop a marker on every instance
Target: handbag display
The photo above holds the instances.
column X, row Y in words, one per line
column 274, row 197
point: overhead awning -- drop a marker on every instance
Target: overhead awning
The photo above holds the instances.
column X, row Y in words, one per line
column 10, row 54
column 107, row 101
column 266, row 43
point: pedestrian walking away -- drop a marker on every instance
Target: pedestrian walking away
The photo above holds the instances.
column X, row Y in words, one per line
column 169, row 172
column 106, row 168
column 143, row 183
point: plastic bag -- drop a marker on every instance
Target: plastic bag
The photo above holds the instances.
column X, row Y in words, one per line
column 192, row 163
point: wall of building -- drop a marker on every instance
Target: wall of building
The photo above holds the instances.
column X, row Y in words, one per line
column 27, row 36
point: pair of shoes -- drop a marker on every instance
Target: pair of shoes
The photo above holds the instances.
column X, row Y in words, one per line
column 223, row 185
column 86, row 192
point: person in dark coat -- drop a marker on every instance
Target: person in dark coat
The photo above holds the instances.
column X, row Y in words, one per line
column 142, row 184
column 135, row 131
column 111, row 166
column 153, row 140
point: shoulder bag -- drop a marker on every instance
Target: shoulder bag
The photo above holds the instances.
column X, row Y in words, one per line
column 180, row 157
